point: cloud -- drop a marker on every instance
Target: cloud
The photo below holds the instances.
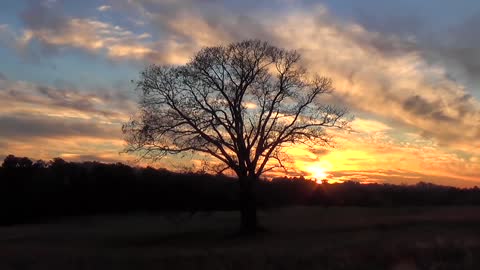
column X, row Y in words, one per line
column 170, row 21
column 37, row 15
column 421, row 107
column 173, row 21
column 92, row 36
column 460, row 49
column 398, row 177
column 369, row 126
column 102, row 105
column 44, row 122
column 395, row 84
column 25, row 127
column 104, row 8
column 55, row 31
column 450, row 43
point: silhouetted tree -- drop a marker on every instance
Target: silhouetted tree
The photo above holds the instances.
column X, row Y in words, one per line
column 12, row 161
column 33, row 194
column 241, row 104
column 40, row 164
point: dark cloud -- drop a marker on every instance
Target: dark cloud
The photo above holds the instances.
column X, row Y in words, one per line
column 37, row 15
column 464, row 104
column 68, row 99
column 319, row 152
column 113, row 103
column 455, row 47
column 468, row 58
column 27, row 127
column 421, row 107
column 3, row 76
column 460, row 47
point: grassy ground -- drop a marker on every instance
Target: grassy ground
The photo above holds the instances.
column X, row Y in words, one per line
column 298, row 238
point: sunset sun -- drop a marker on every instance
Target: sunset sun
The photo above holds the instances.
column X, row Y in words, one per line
column 317, row 172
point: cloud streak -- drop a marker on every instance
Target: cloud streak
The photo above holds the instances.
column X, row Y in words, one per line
column 27, row 127
column 104, row 8
column 24, row 97
column 397, row 177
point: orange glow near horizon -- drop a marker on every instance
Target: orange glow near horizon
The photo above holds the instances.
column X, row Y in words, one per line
column 319, row 171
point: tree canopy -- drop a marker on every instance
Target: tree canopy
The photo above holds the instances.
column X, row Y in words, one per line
column 241, row 104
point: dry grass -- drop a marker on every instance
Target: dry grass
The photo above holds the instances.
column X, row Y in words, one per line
column 299, row 238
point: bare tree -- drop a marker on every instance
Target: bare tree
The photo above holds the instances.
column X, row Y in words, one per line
column 242, row 104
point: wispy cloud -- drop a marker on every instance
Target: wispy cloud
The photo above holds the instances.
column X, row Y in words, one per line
column 24, row 97
column 26, row 127
column 92, row 36
column 43, row 122
column 104, row 8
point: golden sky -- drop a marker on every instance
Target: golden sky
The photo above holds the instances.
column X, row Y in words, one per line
column 411, row 81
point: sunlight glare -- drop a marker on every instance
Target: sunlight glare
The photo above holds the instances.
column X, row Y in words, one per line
column 317, row 172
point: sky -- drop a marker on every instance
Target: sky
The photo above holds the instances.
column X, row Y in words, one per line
column 409, row 71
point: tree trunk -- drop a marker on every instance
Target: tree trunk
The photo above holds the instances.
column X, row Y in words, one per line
column 248, row 206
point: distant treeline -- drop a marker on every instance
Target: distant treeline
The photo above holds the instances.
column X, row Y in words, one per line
column 36, row 191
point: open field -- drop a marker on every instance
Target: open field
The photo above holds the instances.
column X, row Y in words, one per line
column 298, row 238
